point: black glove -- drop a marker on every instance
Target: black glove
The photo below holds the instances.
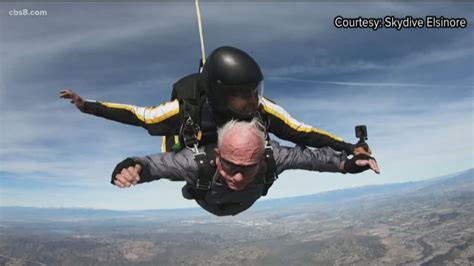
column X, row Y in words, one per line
column 123, row 164
column 351, row 167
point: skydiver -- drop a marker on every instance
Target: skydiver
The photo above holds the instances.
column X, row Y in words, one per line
column 229, row 86
column 240, row 169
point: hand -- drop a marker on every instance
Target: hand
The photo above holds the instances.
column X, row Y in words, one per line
column 75, row 99
column 372, row 163
column 359, row 163
column 128, row 176
column 360, row 150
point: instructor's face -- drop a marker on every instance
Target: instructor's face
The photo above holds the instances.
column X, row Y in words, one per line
column 244, row 106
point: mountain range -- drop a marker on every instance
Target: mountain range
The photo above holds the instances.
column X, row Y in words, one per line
column 425, row 223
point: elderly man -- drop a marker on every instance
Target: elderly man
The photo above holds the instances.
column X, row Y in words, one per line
column 240, row 167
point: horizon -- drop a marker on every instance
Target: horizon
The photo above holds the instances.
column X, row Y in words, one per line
column 256, row 204
column 413, row 88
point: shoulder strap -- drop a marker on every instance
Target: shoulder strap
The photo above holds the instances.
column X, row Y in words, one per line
column 205, row 161
column 206, row 169
column 271, row 171
column 190, row 97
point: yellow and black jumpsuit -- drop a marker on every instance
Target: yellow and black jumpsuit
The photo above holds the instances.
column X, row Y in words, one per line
column 165, row 120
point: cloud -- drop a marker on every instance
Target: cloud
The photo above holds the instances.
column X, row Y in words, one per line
column 412, row 88
column 450, row 52
column 367, row 84
column 60, row 143
column 429, row 143
column 325, row 68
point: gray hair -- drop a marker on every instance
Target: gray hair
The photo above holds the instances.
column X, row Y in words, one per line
column 255, row 126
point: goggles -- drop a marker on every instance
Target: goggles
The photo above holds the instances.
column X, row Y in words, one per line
column 232, row 169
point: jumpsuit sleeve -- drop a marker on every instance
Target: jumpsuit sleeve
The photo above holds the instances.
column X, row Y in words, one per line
column 312, row 159
column 157, row 120
column 286, row 127
column 169, row 165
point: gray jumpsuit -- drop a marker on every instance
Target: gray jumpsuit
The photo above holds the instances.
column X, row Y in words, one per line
column 221, row 200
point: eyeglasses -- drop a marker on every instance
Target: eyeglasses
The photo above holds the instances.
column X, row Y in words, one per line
column 232, row 169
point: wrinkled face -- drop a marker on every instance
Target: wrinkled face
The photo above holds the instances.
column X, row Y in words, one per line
column 239, row 159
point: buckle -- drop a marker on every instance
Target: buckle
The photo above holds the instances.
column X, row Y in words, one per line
column 203, row 186
column 189, row 133
column 268, row 179
column 197, row 153
column 268, row 150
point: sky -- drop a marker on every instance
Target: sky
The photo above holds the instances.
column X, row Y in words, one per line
column 413, row 88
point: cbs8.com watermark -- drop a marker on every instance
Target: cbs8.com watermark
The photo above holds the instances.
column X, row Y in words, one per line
column 28, row 12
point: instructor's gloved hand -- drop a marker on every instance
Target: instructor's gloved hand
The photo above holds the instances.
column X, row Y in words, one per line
column 126, row 173
column 360, row 163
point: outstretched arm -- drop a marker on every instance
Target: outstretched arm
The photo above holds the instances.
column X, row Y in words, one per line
column 284, row 126
column 158, row 120
column 321, row 160
column 169, row 165
column 303, row 158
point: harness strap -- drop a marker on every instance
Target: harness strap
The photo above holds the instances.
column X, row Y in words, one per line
column 271, row 171
column 206, row 169
column 189, row 128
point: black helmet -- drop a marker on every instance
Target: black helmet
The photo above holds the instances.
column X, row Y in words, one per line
column 230, row 72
